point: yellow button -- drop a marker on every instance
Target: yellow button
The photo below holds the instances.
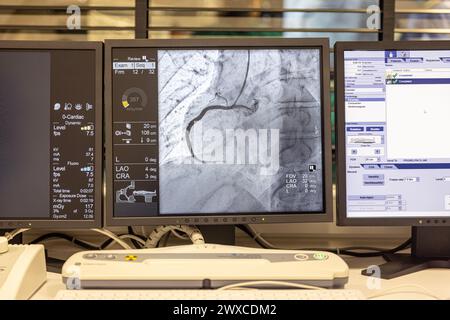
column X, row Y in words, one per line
column 130, row 258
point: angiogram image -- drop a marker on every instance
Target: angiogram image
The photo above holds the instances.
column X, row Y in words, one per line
column 240, row 131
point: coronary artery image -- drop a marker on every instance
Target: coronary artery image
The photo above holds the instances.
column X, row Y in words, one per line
column 240, row 131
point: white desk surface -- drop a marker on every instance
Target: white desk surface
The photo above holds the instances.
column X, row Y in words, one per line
column 436, row 281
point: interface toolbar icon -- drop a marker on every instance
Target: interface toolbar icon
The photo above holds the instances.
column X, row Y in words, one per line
column 87, row 169
column 123, row 133
column 87, row 128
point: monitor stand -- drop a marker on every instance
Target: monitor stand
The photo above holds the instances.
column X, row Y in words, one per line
column 430, row 249
column 219, row 234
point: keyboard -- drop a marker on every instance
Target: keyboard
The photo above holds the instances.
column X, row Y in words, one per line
column 286, row 294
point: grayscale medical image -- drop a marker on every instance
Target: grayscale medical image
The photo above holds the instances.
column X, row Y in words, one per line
column 240, row 131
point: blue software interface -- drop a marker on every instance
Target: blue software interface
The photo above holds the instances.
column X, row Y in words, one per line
column 397, row 111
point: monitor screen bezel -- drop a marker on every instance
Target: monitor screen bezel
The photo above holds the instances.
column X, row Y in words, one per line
column 98, row 213
column 201, row 219
column 341, row 184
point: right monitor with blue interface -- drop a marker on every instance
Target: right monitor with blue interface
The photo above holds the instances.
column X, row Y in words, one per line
column 393, row 145
column 396, row 133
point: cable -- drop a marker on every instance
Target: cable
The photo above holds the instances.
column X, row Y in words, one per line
column 80, row 243
column 84, row 244
column 109, row 241
column 179, row 236
column 271, row 283
column 378, row 251
column 144, row 234
column 105, row 243
column 11, row 235
column 346, row 251
column 135, row 242
column 192, row 232
column 164, row 240
column 256, row 236
column 349, row 251
column 114, row 237
column 363, row 248
column 132, row 237
column 391, row 291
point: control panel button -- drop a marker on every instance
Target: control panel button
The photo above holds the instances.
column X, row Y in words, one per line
column 301, row 257
column 130, row 257
column 320, row 256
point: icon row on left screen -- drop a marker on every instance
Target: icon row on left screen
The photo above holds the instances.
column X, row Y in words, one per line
column 69, row 106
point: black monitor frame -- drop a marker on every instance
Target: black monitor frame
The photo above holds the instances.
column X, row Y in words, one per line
column 76, row 45
column 231, row 219
column 341, row 190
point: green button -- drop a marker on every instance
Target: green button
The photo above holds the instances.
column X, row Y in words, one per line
column 320, row 256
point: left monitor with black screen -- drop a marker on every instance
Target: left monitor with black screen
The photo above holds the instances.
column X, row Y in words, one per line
column 50, row 134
